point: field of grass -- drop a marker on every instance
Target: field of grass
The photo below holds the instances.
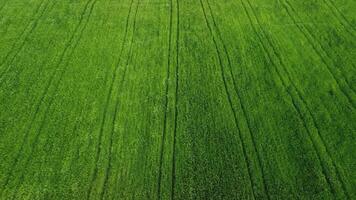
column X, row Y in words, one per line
column 177, row 99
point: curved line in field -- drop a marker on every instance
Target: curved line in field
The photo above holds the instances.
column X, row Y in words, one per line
column 294, row 104
column 38, row 105
column 173, row 173
column 335, row 10
column 166, row 102
column 329, row 68
column 237, row 91
column 313, row 117
column 31, row 26
column 108, row 168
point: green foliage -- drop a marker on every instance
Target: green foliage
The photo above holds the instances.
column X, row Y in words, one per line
column 177, row 99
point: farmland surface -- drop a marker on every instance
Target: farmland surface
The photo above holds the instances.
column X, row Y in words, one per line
column 177, row 99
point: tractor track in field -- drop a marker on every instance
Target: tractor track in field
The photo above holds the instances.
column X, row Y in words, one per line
column 56, row 86
column 318, row 128
column 63, row 56
column 31, row 25
column 127, row 25
column 33, row 146
column 111, row 88
column 301, row 164
column 335, row 10
column 314, row 24
column 238, row 93
column 176, row 92
column 163, row 137
column 248, row 165
column 287, row 5
column 38, row 105
column 338, row 173
column 301, row 115
column 117, row 104
column 109, row 166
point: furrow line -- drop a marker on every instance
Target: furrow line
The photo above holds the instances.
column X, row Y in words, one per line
column 323, row 167
column 98, row 152
column 121, row 84
column 108, row 169
column 37, row 136
column 329, row 68
column 301, row 115
column 38, row 105
column 238, row 93
column 338, row 173
column 109, row 166
column 337, row 12
column 41, row 67
column 61, row 59
column 248, row 165
column 175, row 107
column 31, row 26
column 111, row 86
column 56, row 86
column 166, row 102
column 334, row 164
column 37, row 10
column 107, row 102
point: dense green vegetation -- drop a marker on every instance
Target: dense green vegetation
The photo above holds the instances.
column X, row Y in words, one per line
column 177, row 99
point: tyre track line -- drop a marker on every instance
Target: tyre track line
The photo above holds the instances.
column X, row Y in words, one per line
column 229, row 99
column 28, row 26
column 238, row 93
column 332, row 7
column 56, row 87
column 108, row 169
column 300, row 113
column 287, row 5
column 29, row 158
column 173, row 173
column 111, row 88
column 31, row 26
column 38, row 105
column 166, row 102
column 316, row 125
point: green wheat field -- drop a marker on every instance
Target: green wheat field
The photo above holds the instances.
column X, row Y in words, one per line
column 177, row 99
